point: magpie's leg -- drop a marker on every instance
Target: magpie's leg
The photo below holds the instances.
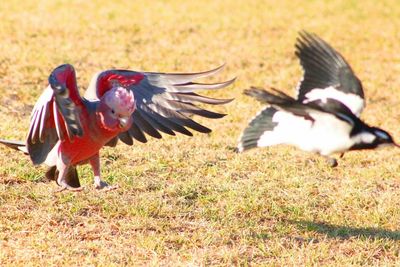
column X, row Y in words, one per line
column 331, row 161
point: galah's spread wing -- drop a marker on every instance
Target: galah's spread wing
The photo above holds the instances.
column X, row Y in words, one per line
column 55, row 115
column 164, row 101
column 327, row 74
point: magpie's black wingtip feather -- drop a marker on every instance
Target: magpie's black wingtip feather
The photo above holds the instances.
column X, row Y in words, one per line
column 263, row 95
column 254, row 91
column 304, row 34
column 307, row 39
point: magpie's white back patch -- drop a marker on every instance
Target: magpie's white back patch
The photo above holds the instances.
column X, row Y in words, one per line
column 326, row 135
column 354, row 102
column 364, row 137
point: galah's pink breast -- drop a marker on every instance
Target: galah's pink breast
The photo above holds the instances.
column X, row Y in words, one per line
column 94, row 138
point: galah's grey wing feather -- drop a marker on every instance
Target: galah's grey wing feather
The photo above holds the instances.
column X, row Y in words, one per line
column 17, row 145
column 41, row 136
column 113, row 142
column 165, row 103
column 327, row 74
column 126, row 138
column 180, row 78
column 137, row 133
column 143, row 126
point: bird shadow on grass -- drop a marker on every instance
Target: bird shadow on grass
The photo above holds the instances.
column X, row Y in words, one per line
column 345, row 232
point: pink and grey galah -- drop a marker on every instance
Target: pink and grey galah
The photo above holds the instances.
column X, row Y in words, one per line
column 67, row 130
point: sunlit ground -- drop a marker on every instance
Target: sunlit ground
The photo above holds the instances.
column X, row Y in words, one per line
column 193, row 201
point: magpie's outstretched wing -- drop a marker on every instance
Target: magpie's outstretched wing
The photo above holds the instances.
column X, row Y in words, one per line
column 281, row 101
column 327, row 74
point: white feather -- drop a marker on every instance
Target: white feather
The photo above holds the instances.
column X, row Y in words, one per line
column 57, row 122
column 364, row 137
column 38, row 114
column 91, row 92
column 354, row 102
column 51, row 159
column 240, row 144
column 326, row 135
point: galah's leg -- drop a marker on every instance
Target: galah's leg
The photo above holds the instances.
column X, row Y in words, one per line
column 98, row 183
column 62, row 173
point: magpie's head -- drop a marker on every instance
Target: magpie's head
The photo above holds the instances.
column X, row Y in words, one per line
column 372, row 137
column 382, row 137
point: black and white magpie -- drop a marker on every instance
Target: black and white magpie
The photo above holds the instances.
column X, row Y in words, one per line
column 324, row 118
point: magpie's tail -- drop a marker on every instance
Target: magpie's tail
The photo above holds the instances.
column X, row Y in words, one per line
column 257, row 129
column 264, row 96
column 17, row 145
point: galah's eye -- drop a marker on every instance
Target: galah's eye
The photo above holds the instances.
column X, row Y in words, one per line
column 113, row 111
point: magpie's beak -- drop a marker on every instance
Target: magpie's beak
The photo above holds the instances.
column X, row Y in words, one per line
column 123, row 122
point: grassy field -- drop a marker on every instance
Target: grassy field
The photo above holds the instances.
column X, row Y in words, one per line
column 193, row 201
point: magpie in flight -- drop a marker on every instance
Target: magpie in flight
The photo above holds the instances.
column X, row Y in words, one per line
column 324, row 118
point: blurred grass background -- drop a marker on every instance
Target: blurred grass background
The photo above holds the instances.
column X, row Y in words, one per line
column 193, row 201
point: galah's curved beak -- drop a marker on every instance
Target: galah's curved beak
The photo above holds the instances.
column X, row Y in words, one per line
column 123, row 121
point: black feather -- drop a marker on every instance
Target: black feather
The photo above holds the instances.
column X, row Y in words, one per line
column 256, row 128
column 324, row 67
column 154, row 121
column 126, row 138
column 136, row 133
column 144, row 125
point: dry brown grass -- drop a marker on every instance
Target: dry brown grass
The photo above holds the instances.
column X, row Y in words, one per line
column 193, row 201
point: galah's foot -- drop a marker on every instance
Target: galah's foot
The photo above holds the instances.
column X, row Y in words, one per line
column 332, row 162
column 69, row 188
column 101, row 185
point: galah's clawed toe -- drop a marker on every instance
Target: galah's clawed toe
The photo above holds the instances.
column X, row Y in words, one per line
column 69, row 188
column 110, row 187
column 105, row 186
